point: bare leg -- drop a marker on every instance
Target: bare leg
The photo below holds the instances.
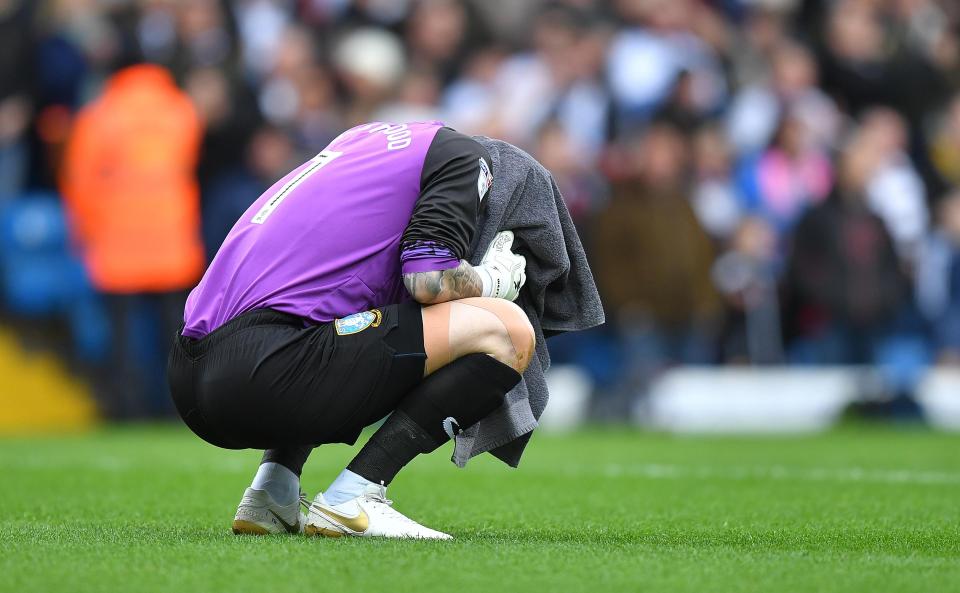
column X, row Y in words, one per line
column 494, row 327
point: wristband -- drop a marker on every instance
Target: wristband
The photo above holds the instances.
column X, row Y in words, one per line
column 486, row 281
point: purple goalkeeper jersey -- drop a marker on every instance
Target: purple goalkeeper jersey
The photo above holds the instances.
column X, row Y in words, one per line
column 336, row 234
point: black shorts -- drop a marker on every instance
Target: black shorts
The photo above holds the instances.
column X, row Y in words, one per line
column 267, row 380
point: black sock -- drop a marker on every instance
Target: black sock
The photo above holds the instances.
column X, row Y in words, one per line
column 291, row 458
column 393, row 446
column 454, row 397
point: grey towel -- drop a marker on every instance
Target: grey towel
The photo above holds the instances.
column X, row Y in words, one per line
column 559, row 296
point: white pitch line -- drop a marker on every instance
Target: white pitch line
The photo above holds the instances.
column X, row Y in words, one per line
column 658, row 471
column 118, row 464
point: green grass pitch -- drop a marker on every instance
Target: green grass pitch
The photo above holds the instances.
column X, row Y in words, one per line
column 149, row 509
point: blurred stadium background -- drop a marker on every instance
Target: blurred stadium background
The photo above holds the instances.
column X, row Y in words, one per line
column 769, row 194
column 769, row 190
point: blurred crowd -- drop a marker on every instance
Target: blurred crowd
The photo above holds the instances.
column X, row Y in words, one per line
column 756, row 181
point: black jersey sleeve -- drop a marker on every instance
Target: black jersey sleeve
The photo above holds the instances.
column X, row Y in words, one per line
column 457, row 175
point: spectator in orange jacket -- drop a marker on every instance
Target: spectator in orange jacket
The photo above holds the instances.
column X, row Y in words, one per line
column 132, row 199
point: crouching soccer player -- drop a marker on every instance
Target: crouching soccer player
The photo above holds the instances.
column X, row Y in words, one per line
column 342, row 296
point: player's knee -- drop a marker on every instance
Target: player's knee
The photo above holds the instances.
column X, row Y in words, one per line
column 522, row 335
column 516, row 336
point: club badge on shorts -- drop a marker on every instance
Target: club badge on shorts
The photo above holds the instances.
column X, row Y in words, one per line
column 356, row 323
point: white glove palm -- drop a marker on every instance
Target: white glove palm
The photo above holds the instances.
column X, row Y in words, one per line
column 503, row 272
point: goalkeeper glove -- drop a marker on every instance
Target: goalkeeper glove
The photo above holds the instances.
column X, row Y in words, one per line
column 502, row 272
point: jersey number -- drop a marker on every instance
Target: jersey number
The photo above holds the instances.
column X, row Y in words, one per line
column 316, row 163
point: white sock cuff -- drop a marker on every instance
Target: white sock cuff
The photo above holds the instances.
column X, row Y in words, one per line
column 278, row 481
column 346, row 486
column 274, row 471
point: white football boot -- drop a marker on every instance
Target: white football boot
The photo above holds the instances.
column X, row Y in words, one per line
column 259, row 514
column 368, row 515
